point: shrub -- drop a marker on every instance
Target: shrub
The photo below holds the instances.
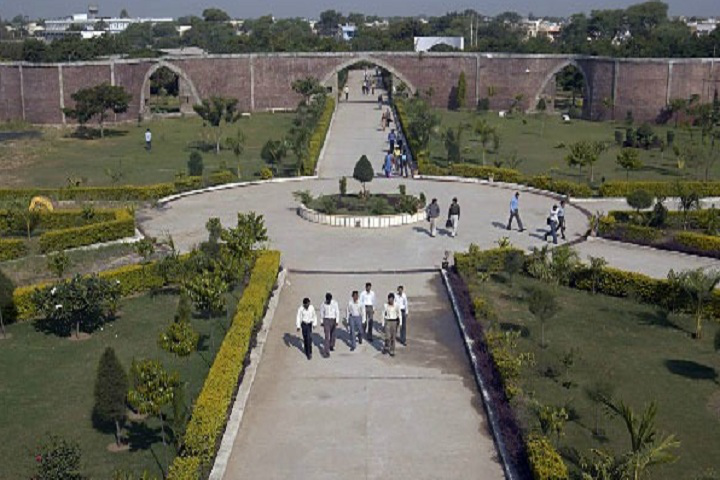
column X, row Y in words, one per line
column 564, row 187
column 221, row 177
column 111, row 387
column 58, row 459
column 545, row 462
column 266, row 173
column 317, row 139
column 698, row 243
column 11, row 248
column 195, row 165
column 363, row 172
column 670, row 138
column 342, row 184
column 659, row 189
column 210, row 413
column 122, row 227
column 640, row 199
column 477, row 171
column 483, row 105
column 618, row 137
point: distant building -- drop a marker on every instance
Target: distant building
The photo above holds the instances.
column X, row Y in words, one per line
column 88, row 25
column 702, row 28
column 346, row 32
column 539, row 28
column 425, row 44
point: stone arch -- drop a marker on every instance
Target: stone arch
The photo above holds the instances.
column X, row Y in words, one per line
column 327, row 80
column 551, row 76
column 184, row 80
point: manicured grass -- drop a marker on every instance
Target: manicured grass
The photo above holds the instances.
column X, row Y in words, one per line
column 33, row 268
column 644, row 354
column 50, row 160
column 537, row 147
column 47, row 386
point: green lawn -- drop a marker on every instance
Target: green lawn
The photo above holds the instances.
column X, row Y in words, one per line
column 50, row 160
column 33, row 268
column 645, row 355
column 47, row 386
column 537, row 146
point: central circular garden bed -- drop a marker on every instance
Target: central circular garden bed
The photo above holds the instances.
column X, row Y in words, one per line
column 361, row 211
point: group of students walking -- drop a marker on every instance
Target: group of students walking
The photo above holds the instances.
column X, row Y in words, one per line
column 555, row 220
column 359, row 317
column 396, row 160
column 432, row 212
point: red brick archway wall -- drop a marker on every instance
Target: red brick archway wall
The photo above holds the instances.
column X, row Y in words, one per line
column 260, row 82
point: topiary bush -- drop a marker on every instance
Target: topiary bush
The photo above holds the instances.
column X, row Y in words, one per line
column 195, row 165
column 639, row 200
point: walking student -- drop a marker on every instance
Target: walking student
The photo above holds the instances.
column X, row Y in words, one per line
column 552, row 222
column 391, row 139
column 148, row 140
column 355, row 316
column 388, row 164
column 347, row 92
column 433, row 212
column 515, row 212
column 367, row 299
column 330, row 314
column 392, row 318
column 561, row 219
column 402, row 302
column 305, row 321
column 454, row 216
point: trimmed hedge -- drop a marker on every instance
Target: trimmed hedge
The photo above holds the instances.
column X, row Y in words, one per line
column 57, row 219
column 563, row 187
column 133, row 279
column 122, row 226
column 658, row 189
column 11, row 248
column 478, row 171
column 317, row 139
column 545, row 462
column 611, row 281
column 618, row 226
column 210, row 413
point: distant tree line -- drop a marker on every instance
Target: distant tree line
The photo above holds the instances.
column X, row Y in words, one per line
column 641, row 30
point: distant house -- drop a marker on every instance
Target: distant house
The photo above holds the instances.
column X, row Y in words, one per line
column 425, row 44
column 346, row 32
column 539, row 28
column 704, row 27
column 88, row 25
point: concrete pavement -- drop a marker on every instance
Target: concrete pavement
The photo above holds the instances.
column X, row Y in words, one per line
column 362, row 414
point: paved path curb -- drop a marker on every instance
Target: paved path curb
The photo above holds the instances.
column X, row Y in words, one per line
column 510, row 472
column 238, row 410
column 358, row 221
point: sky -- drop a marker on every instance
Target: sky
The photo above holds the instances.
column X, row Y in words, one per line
column 312, row 8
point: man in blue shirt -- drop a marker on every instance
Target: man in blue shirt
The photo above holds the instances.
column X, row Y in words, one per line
column 515, row 212
column 388, row 164
column 391, row 139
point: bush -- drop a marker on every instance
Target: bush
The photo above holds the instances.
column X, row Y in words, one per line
column 618, row 137
column 640, row 199
column 11, row 248
column 317, row 139
column 659, row 189
column 210, row 412
column 477, row 171
column 122, row 227
column 698, row 243
column 115, row 194
column 563, row 187
column 483, row 105
column 545, row 462
column 266, row 173
column 221, row 177
column 195, row 164
column 58, row 459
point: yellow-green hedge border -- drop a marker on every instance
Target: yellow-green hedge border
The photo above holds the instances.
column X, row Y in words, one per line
column 11, row 248
column 210, row 413
column 122, row 226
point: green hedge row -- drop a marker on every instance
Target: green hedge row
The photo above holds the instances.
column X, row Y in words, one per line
column 317, row 139
column 119, row 193
column 659, row 189
column 11, row 248
column 122, row 226
column 56, row 219
column 546, row 463
column 210, row 413
column 610, row 281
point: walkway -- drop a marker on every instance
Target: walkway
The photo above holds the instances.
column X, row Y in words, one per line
column 364, row 415
column 355, row 131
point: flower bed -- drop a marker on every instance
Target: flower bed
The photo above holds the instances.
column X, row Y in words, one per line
column 351, row 211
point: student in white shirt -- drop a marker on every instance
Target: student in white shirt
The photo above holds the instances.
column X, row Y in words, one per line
column 330, row 314
column 552, row 222
column 305, row 321
column 148, row 140
column 402, row 302
column 392, row 318
column 355, row 316
column 367, row 298
column 561, row 219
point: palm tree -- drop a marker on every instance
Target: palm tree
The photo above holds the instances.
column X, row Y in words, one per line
column 486, row 134
column 699, row 286
column 648, row 447
column 237, row 145
column 596, row 268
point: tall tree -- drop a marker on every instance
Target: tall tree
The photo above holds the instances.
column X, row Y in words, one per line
column 363, row 172
column 237, row 147
column 585, row 153
column 218, row 111
column 111, row 388
column 98, row 101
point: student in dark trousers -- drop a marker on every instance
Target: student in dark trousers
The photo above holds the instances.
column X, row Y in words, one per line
column 392, row 319
column 402, row 302
column 306, row 319
column 515, row 211
column 552, row 222
column 561, row 219
column 367, row 298
column 330, row 314
column 454, row 216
